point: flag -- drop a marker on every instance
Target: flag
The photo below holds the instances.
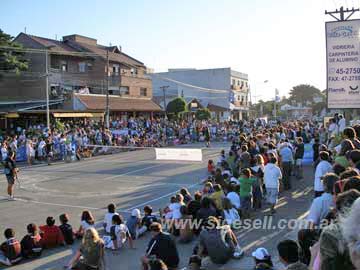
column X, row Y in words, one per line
column 277, row 95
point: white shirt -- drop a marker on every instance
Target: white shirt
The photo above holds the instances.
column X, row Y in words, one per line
column 322, row 168
column 234, row 198
column 86, row 225
column 272, row 174
column 121, row 233
column 174, row 212
column 342, row 124
column 320, row 207
column 108, row 221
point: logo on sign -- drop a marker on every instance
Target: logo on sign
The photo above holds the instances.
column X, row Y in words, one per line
column 341, row 31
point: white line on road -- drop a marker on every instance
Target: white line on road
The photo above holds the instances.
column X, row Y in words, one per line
column 58, row 204
column 159, row 198
column 130, row 172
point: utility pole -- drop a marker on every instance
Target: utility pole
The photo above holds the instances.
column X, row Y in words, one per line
column 107, row 113
column 164, row 88
column 342, row 13
column 47, row 90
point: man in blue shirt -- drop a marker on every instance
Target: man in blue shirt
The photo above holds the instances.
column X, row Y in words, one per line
column 286, row 164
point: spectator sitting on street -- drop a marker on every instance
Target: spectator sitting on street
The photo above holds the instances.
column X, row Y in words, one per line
column 289, row 255
column 220, row 243
column 87, row 221
column 148, row 218
column 108, row 217
column 262, row 259
column 211, row 167
column 31, row 243
column 51, row 235
column 10, row 250
column 66, row 229
column 186, row 194
column 134, row 224
column 231, row 215
column 119, row 233
column 184, row 226
column 161, row 246
column 217, row 196
column 90, row 254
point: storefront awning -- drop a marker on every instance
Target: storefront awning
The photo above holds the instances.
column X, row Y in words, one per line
column 80, row 114
column 12, row 115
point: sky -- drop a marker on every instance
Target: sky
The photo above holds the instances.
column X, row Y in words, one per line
column 281, row 41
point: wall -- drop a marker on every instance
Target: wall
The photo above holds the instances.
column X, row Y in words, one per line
column 208, row 78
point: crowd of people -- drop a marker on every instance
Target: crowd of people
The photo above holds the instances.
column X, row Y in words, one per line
column 70, row 140
column 262, row 162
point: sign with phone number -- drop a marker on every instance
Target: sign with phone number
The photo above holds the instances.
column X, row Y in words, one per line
column 343, row 64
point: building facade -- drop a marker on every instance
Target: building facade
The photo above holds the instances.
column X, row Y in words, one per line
column 77, row 66
column 224, row 91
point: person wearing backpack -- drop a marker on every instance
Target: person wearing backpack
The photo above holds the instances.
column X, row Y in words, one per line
column 31, row 243
column 10, row 172
column 10, row 250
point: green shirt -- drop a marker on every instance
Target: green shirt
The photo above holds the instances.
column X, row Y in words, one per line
column 245, row 186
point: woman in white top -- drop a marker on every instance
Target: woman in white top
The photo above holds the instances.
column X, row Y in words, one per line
column 231, row 215
column 87, row 222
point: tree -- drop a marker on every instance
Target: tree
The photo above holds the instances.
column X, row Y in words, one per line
column 176, row 106
column 203, row 114
column 11, row 60
column 303, row 93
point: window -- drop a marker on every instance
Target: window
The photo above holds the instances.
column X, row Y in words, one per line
column 115, row 69
column 238, row 82
column 89, row 66
column 63, row 66
column 143, row 92
column 238, row 98
column 124, row 90
column 82, row 67
column 134, row 71
column 233, row 82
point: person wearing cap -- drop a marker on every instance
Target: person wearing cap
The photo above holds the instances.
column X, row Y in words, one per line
column 262, row 259
column 134, row 224
column 10, row 172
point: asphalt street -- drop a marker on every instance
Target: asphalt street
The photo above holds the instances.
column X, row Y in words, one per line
column 130, row 180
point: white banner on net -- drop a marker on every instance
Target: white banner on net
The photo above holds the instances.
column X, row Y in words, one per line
column 186, row 154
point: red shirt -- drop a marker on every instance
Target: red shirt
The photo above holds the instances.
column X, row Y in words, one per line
column 51, row 236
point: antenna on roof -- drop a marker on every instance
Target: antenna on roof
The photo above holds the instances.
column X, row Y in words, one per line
column 55, row 36
column 110, row 44
column 25, row 29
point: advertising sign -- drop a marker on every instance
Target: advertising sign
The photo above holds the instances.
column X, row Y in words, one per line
column 343, row 64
